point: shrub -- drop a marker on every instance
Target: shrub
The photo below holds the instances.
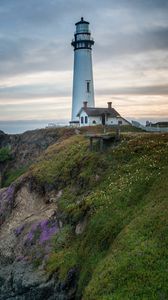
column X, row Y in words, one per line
column 5, row 154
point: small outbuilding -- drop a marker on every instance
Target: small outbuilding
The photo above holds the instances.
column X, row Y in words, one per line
column 90, row 116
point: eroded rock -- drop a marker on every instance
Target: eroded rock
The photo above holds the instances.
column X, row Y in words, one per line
column 29, row 223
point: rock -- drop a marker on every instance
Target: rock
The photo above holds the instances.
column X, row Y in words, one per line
column 2, row 133
column 6, row 202
column 77, row 131
column 54, row 197
column 19, row 281
column 59, row 194
column 97, row 177
column 25, row 238
column 29, row 219
column 80, row 227
column 28, row 146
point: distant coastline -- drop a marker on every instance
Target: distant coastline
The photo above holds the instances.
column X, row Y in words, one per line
column 20, row 126
column 14, row 127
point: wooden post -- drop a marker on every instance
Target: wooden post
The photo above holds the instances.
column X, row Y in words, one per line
column 118, row 132
column 101, row 144
column 91, row 143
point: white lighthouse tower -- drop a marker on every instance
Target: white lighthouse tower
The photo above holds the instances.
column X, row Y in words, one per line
column 83, row 89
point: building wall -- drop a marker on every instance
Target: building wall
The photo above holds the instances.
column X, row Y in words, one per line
column 90, row 120
column 83, row 115
column 98, row 120
column 115, row 121
column 82, row 73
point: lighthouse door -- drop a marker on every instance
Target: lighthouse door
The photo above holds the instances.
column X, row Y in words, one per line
column 103, row 119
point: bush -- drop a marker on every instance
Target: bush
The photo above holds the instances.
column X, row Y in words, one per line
column 12, row 175
column 5, row 154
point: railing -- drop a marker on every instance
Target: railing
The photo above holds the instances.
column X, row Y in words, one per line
column 82, row 31
column 149, row 128
column 90, row 39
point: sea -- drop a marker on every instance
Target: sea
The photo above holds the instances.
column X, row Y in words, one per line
column 16, row 127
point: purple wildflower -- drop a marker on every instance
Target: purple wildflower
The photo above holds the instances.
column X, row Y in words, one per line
column 10, row 193
column 30, row 235
column 47, row 233
column 19, row 230
column 41, row 232
column 43, row 223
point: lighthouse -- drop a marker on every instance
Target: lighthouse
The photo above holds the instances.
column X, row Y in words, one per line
column 83, row 89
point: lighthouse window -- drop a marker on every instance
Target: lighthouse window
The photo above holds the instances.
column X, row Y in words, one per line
column 88, row 87
column 81, row 120
column 86, row 119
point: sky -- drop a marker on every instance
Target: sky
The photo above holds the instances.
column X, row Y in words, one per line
column 130, row 57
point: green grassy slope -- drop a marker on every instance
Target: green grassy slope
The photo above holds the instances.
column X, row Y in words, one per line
column 136, row 264
column 122, row 195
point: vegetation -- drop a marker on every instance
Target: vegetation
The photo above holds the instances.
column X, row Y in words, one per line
column 68, row 163
column 5, row 154
column 122, row 193
column 119, row 198
column 12, row 175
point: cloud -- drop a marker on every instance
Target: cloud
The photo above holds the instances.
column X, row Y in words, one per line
column 25, row 55
column 37, row 34
column 37, row 91
column 50, row 91
column 139, row 90
column 36, row 58
column 132, row 43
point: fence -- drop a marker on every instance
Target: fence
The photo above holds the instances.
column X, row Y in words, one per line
column 149, row 128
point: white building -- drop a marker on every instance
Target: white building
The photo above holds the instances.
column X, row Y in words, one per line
column 90, row 116
column 83, row 88
column 83, row 75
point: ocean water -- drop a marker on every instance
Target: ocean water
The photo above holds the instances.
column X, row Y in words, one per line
column 14, row 127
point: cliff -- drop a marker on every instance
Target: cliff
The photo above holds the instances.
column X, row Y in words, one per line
column 25, row 148
column 88, row 225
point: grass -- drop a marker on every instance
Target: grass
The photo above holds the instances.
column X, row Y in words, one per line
column 68, row 163
column 5, row 154
column 122, row 253
column 12, row 175
column 136, row 264
column 101, row 129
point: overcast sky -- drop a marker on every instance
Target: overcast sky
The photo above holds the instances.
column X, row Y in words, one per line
column 130, row 57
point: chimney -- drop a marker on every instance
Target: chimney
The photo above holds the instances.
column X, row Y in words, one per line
column 109, row 105
column 85, row 104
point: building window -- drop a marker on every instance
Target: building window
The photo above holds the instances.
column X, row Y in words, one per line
column 86, row 119
column 81, row 120
column 119, row 122
column 94, row 122
column 88, row 86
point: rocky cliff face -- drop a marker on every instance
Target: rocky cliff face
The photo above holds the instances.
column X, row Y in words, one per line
column 28, row 220
column 19, row 281
column 28, row 224
column 27, row 147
